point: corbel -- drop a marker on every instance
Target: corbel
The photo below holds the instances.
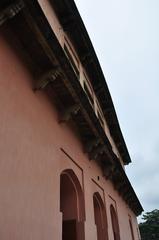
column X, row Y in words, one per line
column 47, row 78
column 96, row 151
column 107, row 171
column 91, row 144
column 67, row 114
column 11, row 11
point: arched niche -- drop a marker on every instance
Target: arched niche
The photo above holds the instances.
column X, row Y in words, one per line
column 131, row 229
column 71, row 206
column 115, row 224
column 100, row 217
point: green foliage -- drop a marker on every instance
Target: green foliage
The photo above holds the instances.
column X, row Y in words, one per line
column 149, row 229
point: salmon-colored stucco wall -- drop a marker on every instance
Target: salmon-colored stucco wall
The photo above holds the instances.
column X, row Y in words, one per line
column 34, row 150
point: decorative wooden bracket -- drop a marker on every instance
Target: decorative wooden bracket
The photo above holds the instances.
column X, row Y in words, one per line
column 47, row 78
column 96, row 151
column 107, row 171
column 69, row 112
column 91, row 144
column 11, row 11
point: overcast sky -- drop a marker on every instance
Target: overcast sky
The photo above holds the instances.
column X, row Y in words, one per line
column 125, row 35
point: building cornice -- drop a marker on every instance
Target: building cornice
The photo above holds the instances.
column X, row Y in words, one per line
column 72, row 23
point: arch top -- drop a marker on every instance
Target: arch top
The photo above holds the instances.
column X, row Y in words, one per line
column 99, row 199
column 72, row 180
column 100, row 217
column 115, row 223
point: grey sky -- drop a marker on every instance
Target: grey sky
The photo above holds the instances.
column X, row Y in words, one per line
column 125, row 35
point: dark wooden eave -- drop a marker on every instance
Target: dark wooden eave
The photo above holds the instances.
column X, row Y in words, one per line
column 72, row 23
column 53, row 73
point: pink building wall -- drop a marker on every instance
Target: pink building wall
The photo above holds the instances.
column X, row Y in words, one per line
column 34, row 150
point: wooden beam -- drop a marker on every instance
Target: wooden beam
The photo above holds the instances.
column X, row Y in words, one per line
column 47, row 78
column 68, row 112
column 11, row 11
column 108, row 171
column 91, row 144
column 96, row 151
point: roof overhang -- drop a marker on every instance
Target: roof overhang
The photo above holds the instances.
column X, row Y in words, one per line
column 72, row 23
